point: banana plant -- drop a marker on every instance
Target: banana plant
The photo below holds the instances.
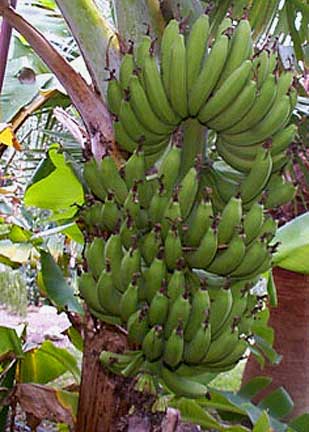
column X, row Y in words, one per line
column 100, row 45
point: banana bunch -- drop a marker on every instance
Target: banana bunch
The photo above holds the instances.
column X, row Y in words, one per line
column 218, row 82
column 148, row 236
column 171, row 256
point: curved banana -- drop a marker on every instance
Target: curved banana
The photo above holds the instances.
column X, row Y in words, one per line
column 225, row 94
column 196, row 49
column 143, row 109
column 269, row 125
column 237, row 110
column 228, row 259
column 262, row 104
column 239, row 51
column 209, row 75
column 178, row 77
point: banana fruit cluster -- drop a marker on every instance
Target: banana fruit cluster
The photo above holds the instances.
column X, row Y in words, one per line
column 174, row 245
column 150, row 236
column 220, row 82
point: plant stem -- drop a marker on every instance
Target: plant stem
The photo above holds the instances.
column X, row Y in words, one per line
column 90, row 106
column 5, row 39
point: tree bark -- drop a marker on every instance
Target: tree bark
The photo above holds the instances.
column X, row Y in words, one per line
column 290, row 321
column 100, row 402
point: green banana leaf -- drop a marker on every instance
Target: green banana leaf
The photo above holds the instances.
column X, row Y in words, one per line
column 237, row 407
column 16, row 95
column 293, row 251
column 9, row 342
column 61, row 195
column 46, row 363
column 59, row 292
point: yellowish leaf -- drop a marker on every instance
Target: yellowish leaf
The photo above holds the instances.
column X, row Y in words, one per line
column 7, row 136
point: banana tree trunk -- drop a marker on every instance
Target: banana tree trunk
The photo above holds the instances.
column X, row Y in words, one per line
column 100, row 401
column 290, row 322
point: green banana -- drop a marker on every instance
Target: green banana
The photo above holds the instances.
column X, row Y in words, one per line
column 181, row 386
column 178, row 77
column 230, row 220
column 137, row 326
column 280, row 195
column 109, row 319
column 92, row 178
column 114, row 95
column 174, row 347
column 132, row 207
column 262, row 104
column 273, row 61
column 237, row 110
column 95, row 256
column 196, row 49
column 169, row 168
column 123, row 139
column 109, row 297
column 158, row 205
column 228, row 259
column 226, row 94
column 253, row 221
column 156, row 92
column 261, row 67
column 113, row 253
column 154, row 275
column 126, row 70
column 269, row 227
column 129, row 299
column 196, row 349
column 130, row 264
column 226, row 151
column 142, row 50
column 284, row 83
column 92, row 217
column 231, row 359
column 258, row 176
column 112, row 180
column 127, row 363
column 150, row 244
column 193, row 144
column 269, row 125
column 198, row 223
column 199, row 312
column 221, row 184
column 222, row 346
column 153, row 343
column 146, row 189
column 128, row 232
column 179, row 313
column 88, row 289
column 172, row 248
column 188, row 188
column 254, row 257
column 224, row 25
column 135, row 129
column 240, row 302
column 158, row 308
column 221, row 305
column 177, row 284
column 134, row 168
column 143, row 109
column 172, row 215
column 209, row 75
column 206, row 251
column 169, row 35
column 110, row 213
column 239, row 51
